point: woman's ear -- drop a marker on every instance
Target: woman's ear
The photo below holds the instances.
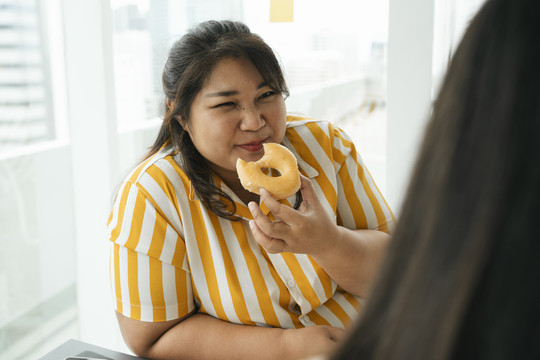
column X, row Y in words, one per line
column 183, row 123
column 178, row 118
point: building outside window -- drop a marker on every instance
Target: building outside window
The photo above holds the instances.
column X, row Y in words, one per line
column 26, row 115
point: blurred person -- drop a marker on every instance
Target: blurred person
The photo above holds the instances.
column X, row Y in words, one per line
column 461, row 279
column 202, row 268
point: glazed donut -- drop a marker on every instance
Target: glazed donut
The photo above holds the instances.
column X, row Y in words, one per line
column 276, row 157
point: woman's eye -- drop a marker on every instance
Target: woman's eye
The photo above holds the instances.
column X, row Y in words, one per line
column 267, row 94
column 225, row 104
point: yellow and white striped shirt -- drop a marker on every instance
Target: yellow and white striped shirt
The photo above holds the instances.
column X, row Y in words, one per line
column 171, row 255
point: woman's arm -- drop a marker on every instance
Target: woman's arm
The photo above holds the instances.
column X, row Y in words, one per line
column 353, row 258
column 350, row 257
column 201, row 336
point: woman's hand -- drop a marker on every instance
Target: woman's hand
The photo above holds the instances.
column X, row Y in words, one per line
column 309, row 230
column 310, row 341
column 350, row 257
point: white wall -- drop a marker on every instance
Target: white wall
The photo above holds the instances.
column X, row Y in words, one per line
column 410, row 44
column 94, row 151
column 101, row 155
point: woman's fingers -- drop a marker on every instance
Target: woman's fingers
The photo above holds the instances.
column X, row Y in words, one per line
column 269, row 243
column 266, row 230
column 274, row 228
column 308, row 194
column 280, row 211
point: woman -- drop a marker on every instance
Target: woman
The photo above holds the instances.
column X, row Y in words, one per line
column 461, row 278
column 199, row 270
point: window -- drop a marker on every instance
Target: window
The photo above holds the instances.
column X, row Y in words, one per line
column 317, row 47
column 143, row 32
column 25, row 93
column 37, row 266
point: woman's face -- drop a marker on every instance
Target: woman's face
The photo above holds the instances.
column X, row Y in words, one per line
column 233, row 115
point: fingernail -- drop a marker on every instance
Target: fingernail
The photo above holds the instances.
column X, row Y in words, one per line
column 252, row 224
column 252, row 206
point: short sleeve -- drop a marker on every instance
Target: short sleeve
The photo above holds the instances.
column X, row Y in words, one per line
column 360, row 202
column 150, row 278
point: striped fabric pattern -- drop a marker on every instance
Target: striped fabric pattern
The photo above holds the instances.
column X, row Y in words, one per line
column 170, row 255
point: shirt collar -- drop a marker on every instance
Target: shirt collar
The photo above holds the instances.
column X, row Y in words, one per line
column 306, row 169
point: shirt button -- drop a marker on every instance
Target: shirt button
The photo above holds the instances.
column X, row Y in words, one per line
column 305, row 319
column 291, row 283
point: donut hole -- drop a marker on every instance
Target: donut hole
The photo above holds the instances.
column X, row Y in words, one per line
column 271, row 172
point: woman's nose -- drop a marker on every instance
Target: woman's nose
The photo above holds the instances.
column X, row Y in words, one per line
column 252, row 119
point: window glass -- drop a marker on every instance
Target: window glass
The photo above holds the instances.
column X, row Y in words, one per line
column 325, row 42
column 37, row 266
column 334, row 57
column 143, row 32
column 25, row 96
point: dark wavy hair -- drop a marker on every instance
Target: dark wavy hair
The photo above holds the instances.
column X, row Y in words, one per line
column 461, row 279
column 190, row 62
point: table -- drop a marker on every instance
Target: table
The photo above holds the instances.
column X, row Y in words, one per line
column 79, row 348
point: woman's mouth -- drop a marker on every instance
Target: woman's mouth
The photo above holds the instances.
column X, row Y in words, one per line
column 253, row 146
